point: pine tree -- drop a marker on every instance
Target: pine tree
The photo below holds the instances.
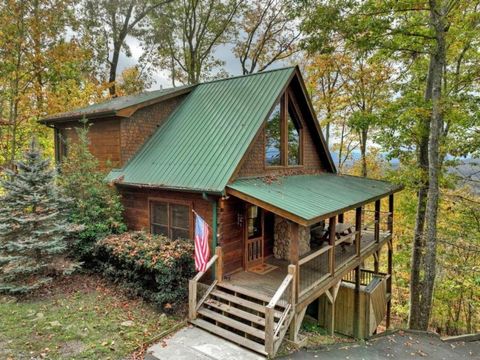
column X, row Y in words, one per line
column 33, row 225
column 96, row 206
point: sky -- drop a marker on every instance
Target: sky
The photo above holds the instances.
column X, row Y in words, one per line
column 160, row 78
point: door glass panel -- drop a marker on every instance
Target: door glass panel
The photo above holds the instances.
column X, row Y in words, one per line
column 254, row 222
column 273, row 140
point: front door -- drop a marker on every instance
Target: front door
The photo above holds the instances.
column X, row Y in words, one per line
column 253, row 237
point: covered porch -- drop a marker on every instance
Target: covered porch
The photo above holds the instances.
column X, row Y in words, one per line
column 293, row 241
column 324, row 225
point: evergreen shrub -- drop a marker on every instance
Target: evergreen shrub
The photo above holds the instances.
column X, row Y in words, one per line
column 96, row 205
column 151, row 266
column 34, row 231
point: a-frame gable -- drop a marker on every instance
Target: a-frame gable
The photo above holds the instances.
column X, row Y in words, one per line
column 315, row 154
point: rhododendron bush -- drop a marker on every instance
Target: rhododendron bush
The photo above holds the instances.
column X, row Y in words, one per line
column 152, row 266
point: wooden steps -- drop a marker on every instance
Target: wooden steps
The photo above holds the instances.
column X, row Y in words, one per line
column 235, row 311
column 219, row 318
column 238, row 315
column 240, row 340
column 242, row 302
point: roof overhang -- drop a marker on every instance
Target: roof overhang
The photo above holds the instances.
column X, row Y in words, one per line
column 125, row 111
column 308, row 199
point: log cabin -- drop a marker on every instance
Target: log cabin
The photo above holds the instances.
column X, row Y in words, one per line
column 288, row 233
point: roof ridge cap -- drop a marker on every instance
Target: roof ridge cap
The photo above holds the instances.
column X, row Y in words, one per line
column 247, row 75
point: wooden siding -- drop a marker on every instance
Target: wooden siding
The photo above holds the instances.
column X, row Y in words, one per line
column 104, row 136
column 137, row 209
column 231, row 234
column 136, row 129
column 253, row 162
column 113, row 141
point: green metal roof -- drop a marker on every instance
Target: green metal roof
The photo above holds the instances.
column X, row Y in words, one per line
column 110, row 107
column 202, row 142
column 311, row 197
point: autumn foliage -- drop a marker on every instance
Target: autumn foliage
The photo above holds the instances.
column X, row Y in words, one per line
column 152, row 266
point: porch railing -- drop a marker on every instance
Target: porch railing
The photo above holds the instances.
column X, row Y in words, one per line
column 366, row 276
column 313, row 269
column 201, row 290
column 286, row 297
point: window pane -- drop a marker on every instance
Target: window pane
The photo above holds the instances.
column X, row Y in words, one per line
column 180, row 216
column 254, row 222
column 180, row 234
column 160, row 230
column 293, row 143
column 272, row 130
column 160, row 213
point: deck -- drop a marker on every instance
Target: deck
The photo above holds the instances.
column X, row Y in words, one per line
column 267, row 284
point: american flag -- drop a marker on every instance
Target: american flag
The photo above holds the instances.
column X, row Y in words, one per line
column 202, row 252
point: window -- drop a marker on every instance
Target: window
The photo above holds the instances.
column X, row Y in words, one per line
column 61, row 148
column 293, row 142
column 273, row 138
column 170, row 219
column 283, row 135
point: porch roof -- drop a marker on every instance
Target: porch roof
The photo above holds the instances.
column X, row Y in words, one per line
column 307, row 199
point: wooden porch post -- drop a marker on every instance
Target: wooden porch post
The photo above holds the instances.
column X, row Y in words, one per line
column 332, row 238
column 356, row 310
column 377, row 221
column 376, row 261
column 219, row 264
column 390, row 260
column 331, row 296
column 358, row 229
column 296, row 283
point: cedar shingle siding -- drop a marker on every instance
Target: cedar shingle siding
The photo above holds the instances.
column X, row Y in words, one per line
column 143, row 123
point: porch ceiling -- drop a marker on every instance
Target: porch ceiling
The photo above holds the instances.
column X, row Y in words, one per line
column 307, row 199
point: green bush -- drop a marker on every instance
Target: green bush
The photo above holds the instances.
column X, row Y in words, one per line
column 96, row 205
column 151, row 266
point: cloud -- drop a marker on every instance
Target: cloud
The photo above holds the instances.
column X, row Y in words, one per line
column 161, row 77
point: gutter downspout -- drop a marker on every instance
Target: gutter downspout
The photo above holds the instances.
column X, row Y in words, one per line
column 214, row 224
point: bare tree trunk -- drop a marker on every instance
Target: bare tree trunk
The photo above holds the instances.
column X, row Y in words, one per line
column 327, row 132
column 113, row 69
column 438, row 60
column 363, row 150
column 418, row 238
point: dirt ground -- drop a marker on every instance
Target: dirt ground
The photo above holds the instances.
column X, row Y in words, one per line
column 400, row 345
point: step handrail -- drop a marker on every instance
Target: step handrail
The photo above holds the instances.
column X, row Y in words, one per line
column 272, row 329
column 193, row 305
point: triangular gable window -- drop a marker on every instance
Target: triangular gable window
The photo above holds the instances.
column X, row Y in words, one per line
column 283, row 135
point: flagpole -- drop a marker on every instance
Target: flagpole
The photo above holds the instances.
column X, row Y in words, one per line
column 211, row 228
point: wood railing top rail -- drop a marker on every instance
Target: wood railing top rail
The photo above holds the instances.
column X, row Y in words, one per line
column 281, row 289
column 347, row 237
column 380, row 212
column 209, row 265
column 313, row 255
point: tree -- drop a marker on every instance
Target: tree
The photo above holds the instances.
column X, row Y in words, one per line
column 132, row 81
column 434, row 38
column 107, row 23
column 33, row 225
column 186, row 34
column 268, row 33
column 326, row 86
column 42, row 71
column 95, row 205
